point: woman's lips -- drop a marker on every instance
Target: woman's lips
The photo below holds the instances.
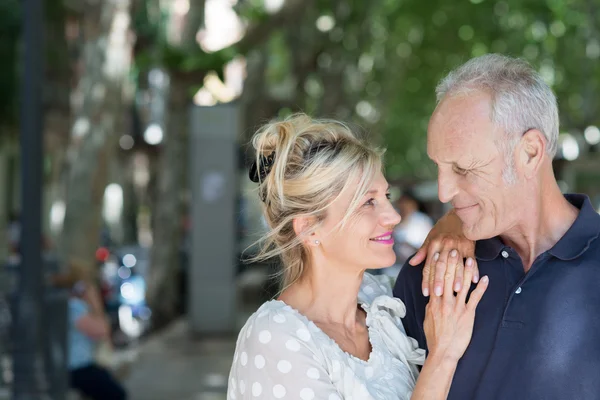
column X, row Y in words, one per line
column 386, row 238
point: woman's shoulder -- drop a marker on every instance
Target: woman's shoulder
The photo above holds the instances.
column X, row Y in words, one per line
column 276, row 324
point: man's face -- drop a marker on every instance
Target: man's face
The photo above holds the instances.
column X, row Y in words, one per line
column 460, row 140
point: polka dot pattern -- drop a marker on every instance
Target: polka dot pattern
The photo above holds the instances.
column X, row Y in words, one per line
column 292, row 344
column 259, row 361
column 256, row 389
column 279, row 391
column 281, row 354
column 303, row 334
column 280, row 319
column 284, row 366
column 313, row 373
column 307, row 394
column 264, row 337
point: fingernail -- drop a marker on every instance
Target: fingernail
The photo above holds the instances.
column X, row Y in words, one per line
column 426, row 292
column 436, row 256
column 453, row 253
column 469, row 262
column 485, row 279
column 457, row 287
column 475, row 278
column 438, row 291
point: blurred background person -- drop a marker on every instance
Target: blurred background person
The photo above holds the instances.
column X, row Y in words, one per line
column 88, row 329
column 412, row 230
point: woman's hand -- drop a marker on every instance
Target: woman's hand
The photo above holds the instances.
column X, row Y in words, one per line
column 446, row 236
column 449, row 318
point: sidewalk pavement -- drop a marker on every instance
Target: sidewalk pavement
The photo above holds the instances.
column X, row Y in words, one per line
column 173, row 366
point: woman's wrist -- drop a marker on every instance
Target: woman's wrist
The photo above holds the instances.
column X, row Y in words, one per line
column 443, row 358
column 435, row 378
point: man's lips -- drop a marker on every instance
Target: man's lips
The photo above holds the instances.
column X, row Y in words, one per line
column 464, row 208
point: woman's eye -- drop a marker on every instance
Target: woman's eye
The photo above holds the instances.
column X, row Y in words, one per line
column 388, row 196
column 370, row 202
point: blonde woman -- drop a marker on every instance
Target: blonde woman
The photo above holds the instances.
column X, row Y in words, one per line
column 335, row 332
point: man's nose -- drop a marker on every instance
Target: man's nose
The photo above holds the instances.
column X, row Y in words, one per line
column 447, row 187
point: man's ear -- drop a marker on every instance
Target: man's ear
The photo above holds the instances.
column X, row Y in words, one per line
column 302, row 226
column 531, row 151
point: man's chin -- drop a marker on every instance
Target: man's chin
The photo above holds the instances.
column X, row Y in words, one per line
column 472, row 233
column 475, row 233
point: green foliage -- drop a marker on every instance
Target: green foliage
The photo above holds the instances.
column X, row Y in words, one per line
column 394, row 53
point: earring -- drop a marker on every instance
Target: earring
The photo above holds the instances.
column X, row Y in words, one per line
column 317, row 242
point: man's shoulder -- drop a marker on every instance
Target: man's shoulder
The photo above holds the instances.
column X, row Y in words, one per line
column 411, row 272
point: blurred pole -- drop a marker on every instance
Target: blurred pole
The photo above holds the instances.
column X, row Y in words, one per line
column 214, row 185
column 28, row 369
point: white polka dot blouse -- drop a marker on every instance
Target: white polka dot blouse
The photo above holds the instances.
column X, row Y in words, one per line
column 281, row 354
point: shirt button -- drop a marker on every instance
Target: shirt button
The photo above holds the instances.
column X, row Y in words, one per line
column 504, row 253
column 519, row 290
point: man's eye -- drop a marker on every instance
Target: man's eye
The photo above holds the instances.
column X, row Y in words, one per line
column 460, row 171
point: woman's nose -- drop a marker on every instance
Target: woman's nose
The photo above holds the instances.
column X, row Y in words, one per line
column 391, row 217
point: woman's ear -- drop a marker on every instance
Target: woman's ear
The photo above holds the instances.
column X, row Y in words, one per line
column 302, row 227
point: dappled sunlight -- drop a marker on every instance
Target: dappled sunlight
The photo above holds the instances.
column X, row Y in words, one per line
column 222, row 26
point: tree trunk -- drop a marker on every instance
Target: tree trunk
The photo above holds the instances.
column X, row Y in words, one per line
column 99, row 94
column 163, row 284
column 164, row 294
column 57, row 107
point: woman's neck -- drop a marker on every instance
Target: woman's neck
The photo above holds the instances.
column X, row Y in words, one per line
column 328, row 294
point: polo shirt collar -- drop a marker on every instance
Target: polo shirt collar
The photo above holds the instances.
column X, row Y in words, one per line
column 574, row 242
column 582, row 233
column 488, row 249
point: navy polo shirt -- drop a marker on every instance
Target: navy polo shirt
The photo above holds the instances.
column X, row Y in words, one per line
column 536, row 335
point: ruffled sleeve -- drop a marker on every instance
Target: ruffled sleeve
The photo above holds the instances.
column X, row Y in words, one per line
column 385, row 315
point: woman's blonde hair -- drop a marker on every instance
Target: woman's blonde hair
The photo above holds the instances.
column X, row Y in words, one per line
column 302, row 166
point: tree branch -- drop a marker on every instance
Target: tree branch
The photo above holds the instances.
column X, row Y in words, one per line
column 256, row 34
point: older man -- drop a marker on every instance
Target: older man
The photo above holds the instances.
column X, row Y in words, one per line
column 537, row 332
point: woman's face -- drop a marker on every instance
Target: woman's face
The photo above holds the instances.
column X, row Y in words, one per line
column 366, row 241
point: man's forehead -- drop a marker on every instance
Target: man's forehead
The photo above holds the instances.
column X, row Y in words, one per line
column 459, row 125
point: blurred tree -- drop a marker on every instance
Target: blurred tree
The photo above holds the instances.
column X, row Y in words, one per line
column 186, row 66
column 98, row 106
column 377, row 63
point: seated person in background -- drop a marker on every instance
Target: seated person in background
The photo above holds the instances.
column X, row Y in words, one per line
column 87, row 326
column 411, row 232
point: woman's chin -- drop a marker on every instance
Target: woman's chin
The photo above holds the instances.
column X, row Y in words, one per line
column 385, row 264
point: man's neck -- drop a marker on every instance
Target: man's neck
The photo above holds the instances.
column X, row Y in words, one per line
column 547, row 220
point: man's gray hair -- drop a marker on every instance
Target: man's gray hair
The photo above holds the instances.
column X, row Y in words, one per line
column 521, row 100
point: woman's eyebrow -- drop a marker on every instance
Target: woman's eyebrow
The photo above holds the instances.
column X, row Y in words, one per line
column 372, row 191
